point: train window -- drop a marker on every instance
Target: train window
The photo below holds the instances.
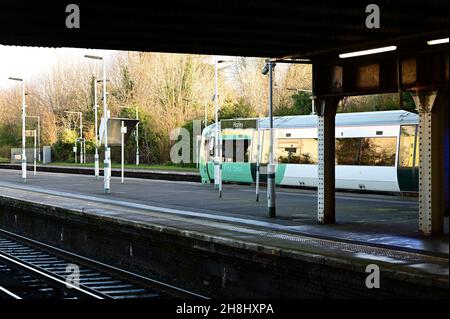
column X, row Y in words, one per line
column 348, row 151
column 308, row 153
column 368, row 151
column 378, row 151
column 408, row 154
column 288, row 151
column 297, row 151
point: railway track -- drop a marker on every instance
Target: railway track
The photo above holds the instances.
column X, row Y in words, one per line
column 33, row 270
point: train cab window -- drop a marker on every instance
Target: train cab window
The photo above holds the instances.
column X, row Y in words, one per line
column 205, row 151
column 236, row 150
column 210, row 147
column 297, row 151
column 408, row 153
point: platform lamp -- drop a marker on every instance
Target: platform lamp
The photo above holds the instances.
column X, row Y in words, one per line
column 271, row 200
column 107, row 161
column 24, row 106
column 217, row 151
column 96, row 156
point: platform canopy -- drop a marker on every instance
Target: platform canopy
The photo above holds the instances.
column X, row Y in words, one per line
column 265, row 28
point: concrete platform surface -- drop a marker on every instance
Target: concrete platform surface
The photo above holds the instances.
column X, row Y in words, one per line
column 371, row 228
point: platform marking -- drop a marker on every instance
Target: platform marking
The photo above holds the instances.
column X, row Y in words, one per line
column 388, row 201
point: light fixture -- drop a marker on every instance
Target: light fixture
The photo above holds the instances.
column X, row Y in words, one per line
column 95, row 57
column 15, row 79
column 265, row 68
column 437, row 41
column 367, row 52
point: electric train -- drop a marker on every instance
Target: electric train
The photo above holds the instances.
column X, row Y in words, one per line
column 375, row 151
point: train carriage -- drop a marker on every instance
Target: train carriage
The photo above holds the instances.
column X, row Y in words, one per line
column 375, row 151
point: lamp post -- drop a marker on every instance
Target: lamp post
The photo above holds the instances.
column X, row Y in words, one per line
column 82, row 159
column 34, row 153
column 258, row 157
column 97, row 139
column 137, row 137
column 96, row 163
column 38, row 133
column 107, row 161
column 271, row 200
column 218, row 144
column 123, row 131
column 24, row 156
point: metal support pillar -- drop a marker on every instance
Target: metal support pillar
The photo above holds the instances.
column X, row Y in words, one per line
column 326, row 161
column 431, row 106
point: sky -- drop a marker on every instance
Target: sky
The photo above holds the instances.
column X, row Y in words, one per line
column 29, row 62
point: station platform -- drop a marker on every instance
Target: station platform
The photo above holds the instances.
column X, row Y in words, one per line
column 187, row 176
column 370, row 229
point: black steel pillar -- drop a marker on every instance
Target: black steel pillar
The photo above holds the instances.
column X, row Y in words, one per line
column 326, row 208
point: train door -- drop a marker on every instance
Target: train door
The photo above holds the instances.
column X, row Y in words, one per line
column 236, row 157
column 209, row 148
column 408, row 159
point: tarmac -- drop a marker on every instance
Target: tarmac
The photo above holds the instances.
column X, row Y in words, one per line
column 369, row 227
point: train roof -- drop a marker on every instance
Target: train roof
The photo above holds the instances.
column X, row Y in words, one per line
column 397, row 117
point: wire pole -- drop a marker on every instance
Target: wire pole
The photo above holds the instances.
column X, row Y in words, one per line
column 96, row 157
column 35, row 144
column 258, row 155
column 107, row 161
column 271, row 200
column 123, row 130
column 137, row 136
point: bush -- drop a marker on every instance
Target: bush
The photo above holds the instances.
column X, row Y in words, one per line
column 62, row 152
column 5, row 153
column 238, row 109
column 301, row 105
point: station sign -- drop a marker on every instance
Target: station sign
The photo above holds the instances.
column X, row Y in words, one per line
column 30, row 133
column 115, row 130
column 240, row 124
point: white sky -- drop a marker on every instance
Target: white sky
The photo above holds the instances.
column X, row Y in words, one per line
column 29, row 62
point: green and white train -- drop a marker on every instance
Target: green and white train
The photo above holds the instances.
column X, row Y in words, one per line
column 375, row 151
